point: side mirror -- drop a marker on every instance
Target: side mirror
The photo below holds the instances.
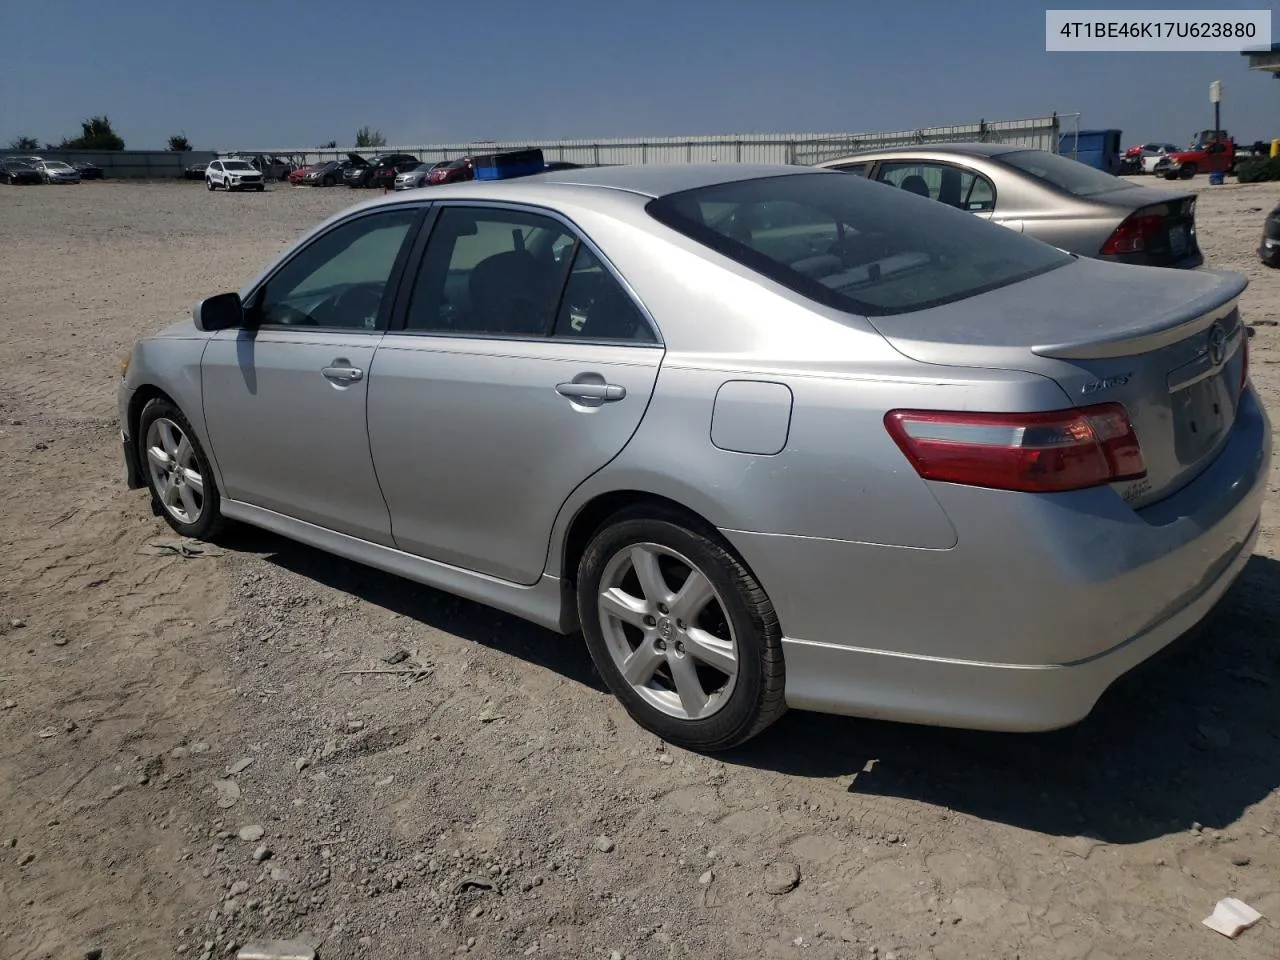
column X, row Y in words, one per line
column 222, row 312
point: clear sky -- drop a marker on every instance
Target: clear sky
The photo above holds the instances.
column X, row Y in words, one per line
column 235, row 74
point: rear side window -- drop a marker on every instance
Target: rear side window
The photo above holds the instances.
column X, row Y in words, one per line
column 850, row 244
column 947, row 183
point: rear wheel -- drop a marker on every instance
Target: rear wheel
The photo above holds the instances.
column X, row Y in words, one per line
column 178, row 473
column 681, row 631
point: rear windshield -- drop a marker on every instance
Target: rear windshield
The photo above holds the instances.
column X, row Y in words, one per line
column 852, row 244
column 1074, row 177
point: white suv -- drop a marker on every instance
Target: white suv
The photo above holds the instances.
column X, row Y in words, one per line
column 233, row 175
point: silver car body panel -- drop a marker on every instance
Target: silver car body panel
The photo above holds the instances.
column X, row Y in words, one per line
column 899, row 597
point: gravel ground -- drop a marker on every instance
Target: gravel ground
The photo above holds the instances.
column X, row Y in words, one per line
column 184, row 763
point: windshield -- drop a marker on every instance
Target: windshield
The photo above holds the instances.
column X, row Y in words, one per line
column 56, row 165
column 1065, row 174
column 235, row 165
column 852, row 244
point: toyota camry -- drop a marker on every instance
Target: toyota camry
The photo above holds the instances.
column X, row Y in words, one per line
column 766, row 436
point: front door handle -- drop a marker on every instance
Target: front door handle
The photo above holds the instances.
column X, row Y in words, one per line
column 601, row 392
column 341, row 371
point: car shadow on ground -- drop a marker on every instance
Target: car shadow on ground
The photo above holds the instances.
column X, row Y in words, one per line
column 1193, row 737
column 475, row 622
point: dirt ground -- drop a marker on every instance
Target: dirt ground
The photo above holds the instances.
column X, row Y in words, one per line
column 154, row 704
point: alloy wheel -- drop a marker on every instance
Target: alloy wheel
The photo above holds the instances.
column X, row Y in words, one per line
column 676, row 647
column 175, row 471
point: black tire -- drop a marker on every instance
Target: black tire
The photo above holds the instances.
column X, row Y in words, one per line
column 210, row 520
column 329, row 181
column 1171, row 174
column 208, row 182
column 756, row 700
column 1188, row 171
column 262, row 188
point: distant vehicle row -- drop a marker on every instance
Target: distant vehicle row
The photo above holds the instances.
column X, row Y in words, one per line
column 19, row 170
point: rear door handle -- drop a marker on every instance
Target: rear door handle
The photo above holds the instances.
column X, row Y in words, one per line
column 604, row 392
column 341, row 371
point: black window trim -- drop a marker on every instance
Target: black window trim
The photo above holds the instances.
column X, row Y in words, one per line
column 874, row 174
column 401, row 315
column 394, row 279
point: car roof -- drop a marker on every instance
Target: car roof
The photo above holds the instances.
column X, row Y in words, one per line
column 660, row 179
column 967, row 149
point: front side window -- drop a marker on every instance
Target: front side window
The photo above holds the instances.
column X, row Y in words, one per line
column 850, row 244
column 339, row 279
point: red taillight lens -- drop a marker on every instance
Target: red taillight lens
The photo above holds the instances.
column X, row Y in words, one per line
column 1134, row 235
column 1031, row 452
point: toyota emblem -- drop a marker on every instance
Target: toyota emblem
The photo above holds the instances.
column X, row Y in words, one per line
column 1217, row 345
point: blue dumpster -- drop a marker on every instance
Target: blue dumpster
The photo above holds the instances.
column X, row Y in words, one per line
column 1097, row 148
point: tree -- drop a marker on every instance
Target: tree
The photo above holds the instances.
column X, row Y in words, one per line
column 179, row 143
column 96, row 134
column 370, row 138
column 25, row 144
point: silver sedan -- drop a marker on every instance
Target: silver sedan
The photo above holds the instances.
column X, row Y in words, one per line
column 766, row 436
column 1053, row 198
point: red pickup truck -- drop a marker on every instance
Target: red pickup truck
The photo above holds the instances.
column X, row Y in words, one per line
column 1206, row 155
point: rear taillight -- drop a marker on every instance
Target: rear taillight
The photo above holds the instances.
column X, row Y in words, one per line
column 1031, row 452
column 1133, row 235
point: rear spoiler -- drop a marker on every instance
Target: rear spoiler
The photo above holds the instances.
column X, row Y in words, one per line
column 1115, row 339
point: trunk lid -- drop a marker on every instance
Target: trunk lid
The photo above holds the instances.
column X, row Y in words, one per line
column 1175, row 239
column 1166, row 344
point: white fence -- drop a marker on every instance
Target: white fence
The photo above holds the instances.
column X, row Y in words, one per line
column 803, row 148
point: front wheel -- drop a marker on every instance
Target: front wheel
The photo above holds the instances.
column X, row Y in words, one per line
column 178, row 473
column 209, row 183
column 1188, row 171
column 329, row 181
column 681, row 631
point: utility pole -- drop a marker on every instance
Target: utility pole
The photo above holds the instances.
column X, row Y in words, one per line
column 1215, row 97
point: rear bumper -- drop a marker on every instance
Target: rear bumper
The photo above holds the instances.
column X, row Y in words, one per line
column 1042, row 604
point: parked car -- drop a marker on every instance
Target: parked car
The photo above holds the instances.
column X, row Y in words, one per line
column 16, row 170
column 271, row 167
column 89, row 171
column 1046, row 196
column 381, row 171
column 1269, row 249
column 1203, row 156
column 234, row 175
column 455, row 171
column 195, row 171
column 296, row 174
column 416, row 177
column 1152, row 152
column 353, row 173
column 55, row 171
column 769, row 436
column 327, row 174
